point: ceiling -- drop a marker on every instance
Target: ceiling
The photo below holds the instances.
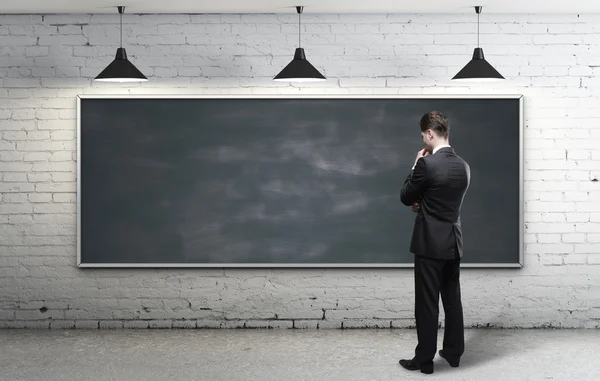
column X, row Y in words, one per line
column 311, row 6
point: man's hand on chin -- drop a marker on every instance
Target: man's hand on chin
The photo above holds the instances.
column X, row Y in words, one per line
column 422, row 153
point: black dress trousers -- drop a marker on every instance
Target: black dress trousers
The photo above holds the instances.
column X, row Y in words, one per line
column 432, row 277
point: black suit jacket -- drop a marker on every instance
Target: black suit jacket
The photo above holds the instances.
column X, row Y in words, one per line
column 440, row 181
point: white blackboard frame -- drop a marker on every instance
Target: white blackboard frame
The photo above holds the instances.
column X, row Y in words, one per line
column 519, row 97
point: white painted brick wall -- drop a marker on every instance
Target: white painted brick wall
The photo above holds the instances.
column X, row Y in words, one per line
column 45, row 61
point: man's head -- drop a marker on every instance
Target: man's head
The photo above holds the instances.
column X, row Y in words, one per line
column 435, row 129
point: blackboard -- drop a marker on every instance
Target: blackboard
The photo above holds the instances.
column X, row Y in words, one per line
column 167, row 181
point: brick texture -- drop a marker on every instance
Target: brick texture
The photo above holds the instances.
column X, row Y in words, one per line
column 46, row 60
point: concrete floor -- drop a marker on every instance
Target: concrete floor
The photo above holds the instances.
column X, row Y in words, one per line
column 290, row 355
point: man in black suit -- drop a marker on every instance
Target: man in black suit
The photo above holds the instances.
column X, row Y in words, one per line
column 435, row 188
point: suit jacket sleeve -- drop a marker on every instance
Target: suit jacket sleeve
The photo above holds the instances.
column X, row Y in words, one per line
column 414, row 185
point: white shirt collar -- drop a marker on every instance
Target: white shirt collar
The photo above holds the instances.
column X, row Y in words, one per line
column 438, row 147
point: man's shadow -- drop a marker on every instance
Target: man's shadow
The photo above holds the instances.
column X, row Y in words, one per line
column 484, row 343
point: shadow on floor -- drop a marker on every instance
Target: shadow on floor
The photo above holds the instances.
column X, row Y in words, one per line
column 482, row 346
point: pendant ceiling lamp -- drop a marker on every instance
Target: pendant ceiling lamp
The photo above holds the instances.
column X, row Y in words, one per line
column 478, row 69
column 121, row 69
column 299, row 70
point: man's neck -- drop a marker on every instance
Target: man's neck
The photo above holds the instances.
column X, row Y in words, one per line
column 440, row 145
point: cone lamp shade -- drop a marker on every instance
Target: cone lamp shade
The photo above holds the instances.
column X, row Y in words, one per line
column 299, row 70
column 478, row 69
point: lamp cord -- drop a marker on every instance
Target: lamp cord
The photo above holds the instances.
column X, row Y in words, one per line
column 299, row 30
column 121, row 29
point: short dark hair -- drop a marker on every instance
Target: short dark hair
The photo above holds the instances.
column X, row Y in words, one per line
column 436, row 121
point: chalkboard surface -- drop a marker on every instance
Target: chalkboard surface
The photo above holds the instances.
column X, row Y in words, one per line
column 284, row 182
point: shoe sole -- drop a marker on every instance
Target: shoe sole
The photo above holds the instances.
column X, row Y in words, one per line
column 426, row 371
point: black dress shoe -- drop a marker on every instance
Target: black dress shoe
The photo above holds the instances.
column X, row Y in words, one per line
column 412, row 365
column 453, row 363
